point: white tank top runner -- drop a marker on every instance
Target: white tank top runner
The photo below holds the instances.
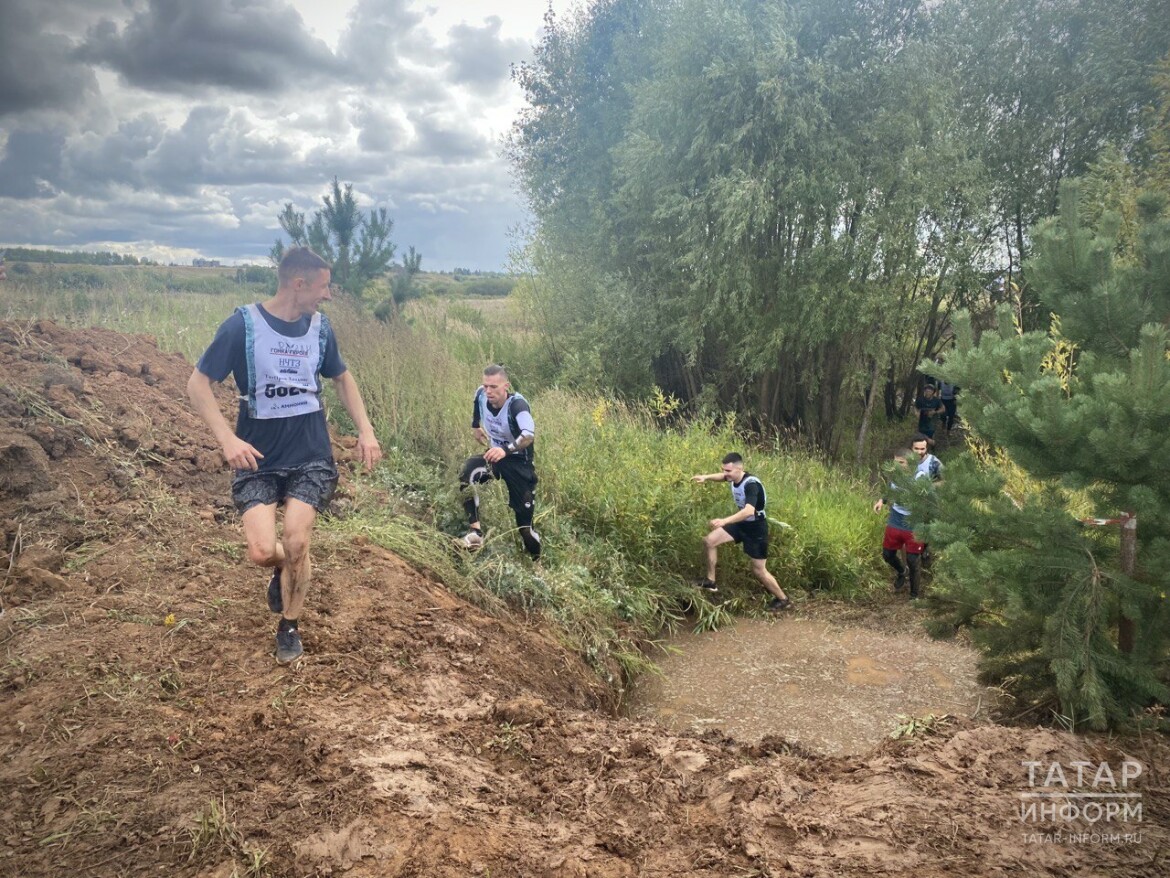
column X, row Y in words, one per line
column 282, row 371
column 739, row 494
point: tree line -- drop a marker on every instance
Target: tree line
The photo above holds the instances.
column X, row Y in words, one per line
column 72, row 257
column 777, row 207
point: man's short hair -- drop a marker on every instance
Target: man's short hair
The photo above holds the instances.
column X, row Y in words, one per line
column 299, row 262
column 732, row 457
column 495, row 369
column 920, row 437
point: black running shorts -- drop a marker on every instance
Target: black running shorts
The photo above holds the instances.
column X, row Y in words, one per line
column 753, row 535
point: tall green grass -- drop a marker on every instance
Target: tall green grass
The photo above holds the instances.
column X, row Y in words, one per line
column 126, row 299
column 616, row 471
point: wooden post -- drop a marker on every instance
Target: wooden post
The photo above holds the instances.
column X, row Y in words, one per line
column 1125, row 627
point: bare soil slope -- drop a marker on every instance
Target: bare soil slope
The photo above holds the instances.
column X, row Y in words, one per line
column 145, row 729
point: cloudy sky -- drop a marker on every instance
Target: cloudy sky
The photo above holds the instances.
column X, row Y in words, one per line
column 173, row 128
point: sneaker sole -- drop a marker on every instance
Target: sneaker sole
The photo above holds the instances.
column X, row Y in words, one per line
column 287, row 659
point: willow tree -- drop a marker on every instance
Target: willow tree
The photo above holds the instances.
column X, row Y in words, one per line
column 773, row 206
column 1044, row 86
column 578, row 90
column 763, row 200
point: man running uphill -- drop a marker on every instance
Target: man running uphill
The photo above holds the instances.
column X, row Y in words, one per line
column 277, row 352
column 748, row 526
column 503, row 421
column 899, row 533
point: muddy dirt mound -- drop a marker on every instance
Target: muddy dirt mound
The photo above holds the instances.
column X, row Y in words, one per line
column 146, row 729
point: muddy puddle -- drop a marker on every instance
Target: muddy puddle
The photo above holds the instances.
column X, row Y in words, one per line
column 837, row 690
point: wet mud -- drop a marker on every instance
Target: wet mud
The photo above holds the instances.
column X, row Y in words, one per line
column 834, row 690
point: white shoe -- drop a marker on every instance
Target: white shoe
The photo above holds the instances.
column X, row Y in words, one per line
column 472, row 541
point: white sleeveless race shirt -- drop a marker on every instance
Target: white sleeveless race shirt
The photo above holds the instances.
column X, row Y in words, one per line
column 282, row 371
column 739, row 493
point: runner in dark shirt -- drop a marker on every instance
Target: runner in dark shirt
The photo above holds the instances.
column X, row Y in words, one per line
column 277, row 351
column 503, row 421
column 928, row 406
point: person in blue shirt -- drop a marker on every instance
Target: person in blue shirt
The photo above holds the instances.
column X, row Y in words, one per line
column 748, row 525
column 278, row 351
column 899, row 532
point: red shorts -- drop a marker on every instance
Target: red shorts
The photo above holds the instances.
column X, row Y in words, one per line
column 896, row 538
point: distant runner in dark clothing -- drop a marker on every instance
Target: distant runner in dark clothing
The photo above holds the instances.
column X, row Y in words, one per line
column 947, row 395
column 927, row 405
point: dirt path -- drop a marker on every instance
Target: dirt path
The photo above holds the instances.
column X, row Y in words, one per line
column 835, row 690
column 145, row 729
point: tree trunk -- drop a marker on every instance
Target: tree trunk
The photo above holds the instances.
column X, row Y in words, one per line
column 875, row 379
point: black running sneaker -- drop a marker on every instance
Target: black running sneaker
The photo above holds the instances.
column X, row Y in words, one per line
column 532, row 541
column 288, row 646
column 778, row 605
column 275, row 600
column 706, row 585
column 900, row 582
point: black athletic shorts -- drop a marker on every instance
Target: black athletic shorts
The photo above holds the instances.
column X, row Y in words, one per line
column 753, row 534
column 312, row 483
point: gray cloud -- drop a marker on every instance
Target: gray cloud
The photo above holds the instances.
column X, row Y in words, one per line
column 446, row 137
column 179, row 46
column 380, row 32
column 38, row 70
column 218, row 146
column 96, row 162
column 31, row 167
column 380, row 132
column 181, row 128
column 481, row 59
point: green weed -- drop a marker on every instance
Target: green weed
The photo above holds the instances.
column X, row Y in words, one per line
column 215, row 834
column 917, row 727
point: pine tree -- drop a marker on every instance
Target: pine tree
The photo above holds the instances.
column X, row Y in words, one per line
column 1078, row 420
column 356, row 245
